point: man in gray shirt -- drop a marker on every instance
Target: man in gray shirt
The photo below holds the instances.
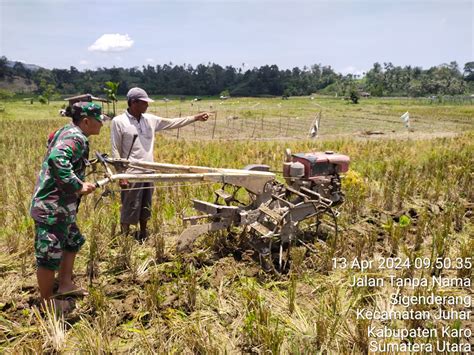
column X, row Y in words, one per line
column 133, row 137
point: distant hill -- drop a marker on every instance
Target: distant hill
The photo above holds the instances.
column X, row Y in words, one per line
column 32, row 67
column 18, row 85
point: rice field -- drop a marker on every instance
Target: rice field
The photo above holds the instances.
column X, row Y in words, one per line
column 409, row 199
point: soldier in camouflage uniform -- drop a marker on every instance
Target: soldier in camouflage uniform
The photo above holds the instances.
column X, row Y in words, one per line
column 56, row 197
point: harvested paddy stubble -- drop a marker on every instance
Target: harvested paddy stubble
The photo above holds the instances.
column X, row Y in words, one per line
column 410, row 200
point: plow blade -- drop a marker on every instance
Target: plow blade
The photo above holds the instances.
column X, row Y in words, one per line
column 190, row 234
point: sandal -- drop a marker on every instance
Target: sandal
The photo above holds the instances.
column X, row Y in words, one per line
column 78, row 292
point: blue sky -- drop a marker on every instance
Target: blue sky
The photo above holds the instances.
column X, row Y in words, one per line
column 348, row 35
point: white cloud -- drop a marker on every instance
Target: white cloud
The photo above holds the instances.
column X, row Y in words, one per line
column 111, row 42
column 149, row 60
column 83, row 62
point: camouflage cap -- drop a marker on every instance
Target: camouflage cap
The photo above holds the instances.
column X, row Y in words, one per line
column 89, row 109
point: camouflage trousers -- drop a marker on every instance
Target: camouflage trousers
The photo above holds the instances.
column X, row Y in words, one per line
column 52, row 240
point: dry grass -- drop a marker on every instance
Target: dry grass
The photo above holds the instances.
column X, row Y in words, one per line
column 147, row 299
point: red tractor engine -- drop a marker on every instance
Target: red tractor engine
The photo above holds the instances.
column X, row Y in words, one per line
column 318, row 171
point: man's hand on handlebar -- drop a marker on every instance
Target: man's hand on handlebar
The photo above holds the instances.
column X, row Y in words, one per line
column 87, row 188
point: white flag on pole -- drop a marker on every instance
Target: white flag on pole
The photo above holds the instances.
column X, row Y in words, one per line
column 406, row 119
column 315, row 127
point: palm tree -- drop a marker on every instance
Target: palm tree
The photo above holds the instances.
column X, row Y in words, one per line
column 111, row 91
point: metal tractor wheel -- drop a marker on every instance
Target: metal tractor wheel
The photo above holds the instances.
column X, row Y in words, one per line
column 272, row 235
column 275, row 233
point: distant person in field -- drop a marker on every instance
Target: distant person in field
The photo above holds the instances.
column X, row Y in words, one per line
column 133, row 137
column 60, row 185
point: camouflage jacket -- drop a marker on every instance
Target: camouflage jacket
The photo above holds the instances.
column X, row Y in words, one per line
column 56, row 197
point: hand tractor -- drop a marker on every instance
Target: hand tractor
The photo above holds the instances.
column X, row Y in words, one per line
column 274, row 215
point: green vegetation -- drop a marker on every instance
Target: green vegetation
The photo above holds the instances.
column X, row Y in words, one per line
column 111, row 90
column 268, row 80
column 408, row 198
column 391, row 80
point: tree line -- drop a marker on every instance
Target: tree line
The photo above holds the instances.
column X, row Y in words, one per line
column 213, row 79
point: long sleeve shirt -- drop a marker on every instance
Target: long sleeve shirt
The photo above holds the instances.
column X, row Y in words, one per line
column 125, row 127
column 55, row 198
